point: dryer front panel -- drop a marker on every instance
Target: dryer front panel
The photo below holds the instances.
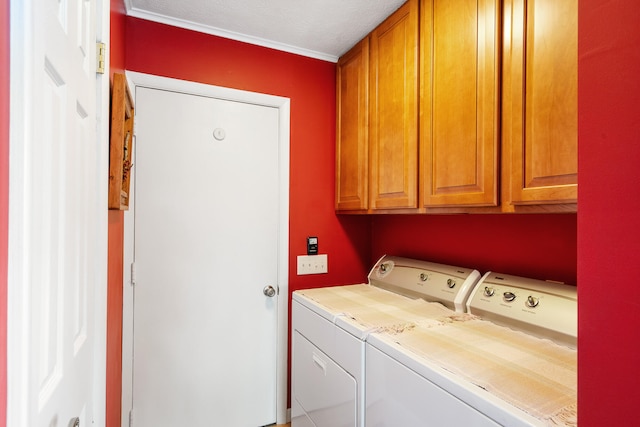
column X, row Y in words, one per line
column 322, row 390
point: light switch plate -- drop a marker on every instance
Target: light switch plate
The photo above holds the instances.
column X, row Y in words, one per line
column 312, row 264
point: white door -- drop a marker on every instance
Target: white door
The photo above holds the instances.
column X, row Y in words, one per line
column 207, row 225
column 57, row 217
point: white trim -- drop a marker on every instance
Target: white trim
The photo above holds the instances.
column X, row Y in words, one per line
column 127, row 4
column 18, row 297
column 220, row 32
column 103, row 33
column 283, row 105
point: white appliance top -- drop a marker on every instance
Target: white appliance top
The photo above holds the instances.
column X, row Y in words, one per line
column 401, row 293
column 513, row 377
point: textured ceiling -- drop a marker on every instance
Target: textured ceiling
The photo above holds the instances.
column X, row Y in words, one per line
column 323, row 29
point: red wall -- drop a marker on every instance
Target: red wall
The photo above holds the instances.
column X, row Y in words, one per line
column 4, row 198
column 117, row 33
column 115, row 241
column 609, row 216
column 538, row 246
column 310, row 84
column 114, row 320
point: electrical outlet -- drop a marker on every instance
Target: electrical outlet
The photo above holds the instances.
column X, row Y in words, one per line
column 312, row 264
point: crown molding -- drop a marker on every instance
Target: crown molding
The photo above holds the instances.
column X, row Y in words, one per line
column 189, row 25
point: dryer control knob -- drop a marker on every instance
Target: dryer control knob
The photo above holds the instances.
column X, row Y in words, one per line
column 488, row 292
column 509, row 296
column 532, row 301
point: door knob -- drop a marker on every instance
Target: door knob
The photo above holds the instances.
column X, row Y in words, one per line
column 269, row 291
column 74, row 422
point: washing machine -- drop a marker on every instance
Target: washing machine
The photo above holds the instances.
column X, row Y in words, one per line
column 330, row 327
column 511, row 360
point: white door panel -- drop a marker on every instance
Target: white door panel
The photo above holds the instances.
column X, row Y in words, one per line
column 206, row 244
column 57, row 224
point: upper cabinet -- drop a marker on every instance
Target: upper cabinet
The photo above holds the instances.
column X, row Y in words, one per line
column 459, row 102
column 352, row 130
column 393, row 111
column 540, row 105
column 484, row 119
column 377, row 123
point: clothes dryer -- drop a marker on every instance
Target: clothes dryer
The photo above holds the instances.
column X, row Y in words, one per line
column 330, row 326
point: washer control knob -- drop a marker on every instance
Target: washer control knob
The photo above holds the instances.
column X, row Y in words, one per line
column 383, row 267
column 509, row 296
column 532, row 301
column 488, row 292
column 423, row 277
column 451, row 283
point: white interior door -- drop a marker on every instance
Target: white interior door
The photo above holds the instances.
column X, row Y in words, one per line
column 57, row 217
column 207, row 229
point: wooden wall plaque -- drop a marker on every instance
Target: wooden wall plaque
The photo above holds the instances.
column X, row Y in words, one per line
column 121, row 143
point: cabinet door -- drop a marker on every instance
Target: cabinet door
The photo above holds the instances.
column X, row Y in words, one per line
column 459, row 102
column 352, row 133
column 540, row 120
column 393, row 118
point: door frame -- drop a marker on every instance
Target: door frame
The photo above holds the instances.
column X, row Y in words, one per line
column 135, row 80
column 19, row 296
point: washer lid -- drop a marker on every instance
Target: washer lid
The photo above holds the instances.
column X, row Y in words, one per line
column 493, row 368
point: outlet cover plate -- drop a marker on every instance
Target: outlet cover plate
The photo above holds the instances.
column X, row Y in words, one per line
column 312, row 264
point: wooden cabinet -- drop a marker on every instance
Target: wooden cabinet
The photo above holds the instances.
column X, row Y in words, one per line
column 494, row 96
column 459, row 102
column 377, row 123
column 352, row 130
column 540, row 104
column 393, row 111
